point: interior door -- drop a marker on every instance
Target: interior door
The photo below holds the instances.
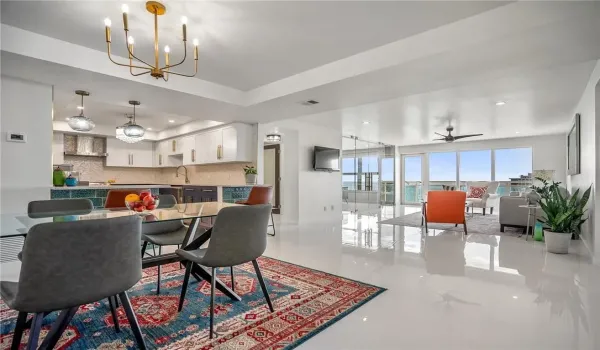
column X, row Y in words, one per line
column 412, row 178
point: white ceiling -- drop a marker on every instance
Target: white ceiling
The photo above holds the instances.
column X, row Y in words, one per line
column 245, row 44
column 535, row 55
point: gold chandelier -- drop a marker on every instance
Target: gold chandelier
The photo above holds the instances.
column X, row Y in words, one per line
column 157, row 9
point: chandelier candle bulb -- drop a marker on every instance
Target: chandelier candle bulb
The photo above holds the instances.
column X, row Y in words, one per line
column 107, row 24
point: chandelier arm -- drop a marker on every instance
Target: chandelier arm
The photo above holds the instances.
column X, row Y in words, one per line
column 138, row 74
column 183, row 60
column 188, row 75
column 121, row 64
column 132, row 55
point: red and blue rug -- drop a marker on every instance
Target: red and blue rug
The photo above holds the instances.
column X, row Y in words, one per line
column 306, row 302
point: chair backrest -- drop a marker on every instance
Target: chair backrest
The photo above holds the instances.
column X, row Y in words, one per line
column 239, row 235
column 65, row 264
column 53, row 207
column 260, row 195
column 116, row 198
column 446, row 206
column 166, row 201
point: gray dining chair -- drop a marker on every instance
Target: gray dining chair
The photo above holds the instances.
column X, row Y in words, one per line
column 239, row 235
column 54, row 207
column 163, row 233
column 69, row 264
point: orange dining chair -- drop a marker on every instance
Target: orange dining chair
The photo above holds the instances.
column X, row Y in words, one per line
column 445, row 207
column 116, row 198
column 260, row 195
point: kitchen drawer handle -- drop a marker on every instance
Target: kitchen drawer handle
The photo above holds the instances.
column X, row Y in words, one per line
column 174, row 145
column 208, row 190
column 193, row 155
column 189, row 189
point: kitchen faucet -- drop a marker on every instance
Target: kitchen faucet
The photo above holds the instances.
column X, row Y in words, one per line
column 187, row 181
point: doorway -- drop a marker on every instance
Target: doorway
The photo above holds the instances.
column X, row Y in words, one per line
column 272, row 174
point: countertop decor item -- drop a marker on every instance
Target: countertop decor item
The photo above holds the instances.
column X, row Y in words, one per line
column 155, row 70
column 58, row 177
column 250, row 174
column 81, row 122
column 564, row 217
column 71, row 181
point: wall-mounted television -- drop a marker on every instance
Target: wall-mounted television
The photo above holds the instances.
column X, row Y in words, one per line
column 326, row 159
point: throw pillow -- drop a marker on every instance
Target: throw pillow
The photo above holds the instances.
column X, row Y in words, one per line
column 476, row 192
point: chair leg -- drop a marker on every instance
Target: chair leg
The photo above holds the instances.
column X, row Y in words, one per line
column 501, row 228
column 455, row 225
column 19, row 328
column 262, row 284
column 133, row 322
column 113, row 311
column 213, row 280
column 273, row 224
column 491, row 210
column 159, row 271
column 144, row 246
column 465, row 226
column 34, row 332
column 483, row 211
column 186, row 280
column 58, row 328
column 232, row 280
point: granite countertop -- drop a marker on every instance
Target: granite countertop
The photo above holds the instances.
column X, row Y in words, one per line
column 66, row 188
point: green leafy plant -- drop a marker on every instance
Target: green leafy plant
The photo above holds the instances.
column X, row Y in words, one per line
column 564, row 214
column 250, row 170
column 546, row 188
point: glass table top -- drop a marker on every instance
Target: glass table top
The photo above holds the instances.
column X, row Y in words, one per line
column 11, row 225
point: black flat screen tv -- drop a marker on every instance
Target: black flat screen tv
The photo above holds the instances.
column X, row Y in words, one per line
column 326, row 159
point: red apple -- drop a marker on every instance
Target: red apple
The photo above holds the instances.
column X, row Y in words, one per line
column 148, row 200
column 139, row 209
column 151, row 207
column 144, row 194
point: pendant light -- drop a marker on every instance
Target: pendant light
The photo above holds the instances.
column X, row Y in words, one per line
column 131, row 132
column 121, row 134
column 81, row 122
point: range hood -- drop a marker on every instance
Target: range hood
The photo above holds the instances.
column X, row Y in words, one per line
column 83, row 145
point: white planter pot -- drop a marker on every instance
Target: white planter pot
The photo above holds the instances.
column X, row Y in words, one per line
column 250, row 179
column 556, row 242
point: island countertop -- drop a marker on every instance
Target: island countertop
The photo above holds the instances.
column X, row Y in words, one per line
column 107, row 187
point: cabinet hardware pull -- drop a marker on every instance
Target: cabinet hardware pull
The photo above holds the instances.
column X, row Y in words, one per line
column 174, row 145
column 193, row 155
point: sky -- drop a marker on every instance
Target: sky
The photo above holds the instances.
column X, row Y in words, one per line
column 474, row 165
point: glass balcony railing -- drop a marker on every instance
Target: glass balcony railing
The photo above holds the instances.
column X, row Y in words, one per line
column 413, row 190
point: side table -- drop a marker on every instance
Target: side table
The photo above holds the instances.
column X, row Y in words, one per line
column 531, row 211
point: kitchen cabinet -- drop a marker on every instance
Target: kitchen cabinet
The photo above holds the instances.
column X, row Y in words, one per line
column 233, row 143
column 188, row 148
column 164, row 156
column 58, row 148
column 123, row 154
column 194, row 194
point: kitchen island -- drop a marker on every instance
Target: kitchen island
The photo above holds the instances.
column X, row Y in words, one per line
column 97, row 194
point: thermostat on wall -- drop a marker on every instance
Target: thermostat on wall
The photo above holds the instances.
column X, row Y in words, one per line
column 16, row 137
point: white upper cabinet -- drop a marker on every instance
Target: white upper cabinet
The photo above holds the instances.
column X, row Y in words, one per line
column 232, row 143
column 188, row 148
column 123, row 154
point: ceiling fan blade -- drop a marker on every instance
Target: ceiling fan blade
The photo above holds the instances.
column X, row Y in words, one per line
column 437, row 133
column 463, row 136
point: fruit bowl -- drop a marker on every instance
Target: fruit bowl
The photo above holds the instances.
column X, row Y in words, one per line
column 143, row 204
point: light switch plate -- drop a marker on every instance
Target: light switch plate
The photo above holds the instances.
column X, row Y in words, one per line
column 15, row 137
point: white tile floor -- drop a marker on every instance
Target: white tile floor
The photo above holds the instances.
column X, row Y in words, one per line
column 444, row 291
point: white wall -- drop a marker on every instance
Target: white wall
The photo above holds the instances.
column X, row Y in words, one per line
column 25, row 168
column 589, row 109
column 549, row 151
column 306, row 195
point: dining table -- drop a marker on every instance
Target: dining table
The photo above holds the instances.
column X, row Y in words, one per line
column 192, row 213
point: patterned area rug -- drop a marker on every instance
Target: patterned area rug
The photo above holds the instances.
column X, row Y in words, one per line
column 477, row 223
column 306, row 301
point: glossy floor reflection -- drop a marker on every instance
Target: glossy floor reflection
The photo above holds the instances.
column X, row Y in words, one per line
column 447, row 291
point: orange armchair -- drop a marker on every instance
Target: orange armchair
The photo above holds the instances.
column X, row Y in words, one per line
column 445, row 207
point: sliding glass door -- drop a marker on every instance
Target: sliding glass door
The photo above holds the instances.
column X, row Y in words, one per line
column 412, row 178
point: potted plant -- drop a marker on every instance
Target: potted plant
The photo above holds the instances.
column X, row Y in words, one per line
column 564, row 217
column 250, row 174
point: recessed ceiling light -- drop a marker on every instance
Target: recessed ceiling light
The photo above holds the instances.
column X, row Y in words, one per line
column 366, row 122
column 67, row 118
column 171, row 121
column 518, row 132
column 79, row 107
column 500, row 103
column 148, row 128
column 515, row 297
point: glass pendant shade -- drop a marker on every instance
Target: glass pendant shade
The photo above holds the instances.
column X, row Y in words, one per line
column 81, row 123
column 121, row 135
column 133, row 130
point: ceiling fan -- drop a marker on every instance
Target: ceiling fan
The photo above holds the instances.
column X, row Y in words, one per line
column 452, row 138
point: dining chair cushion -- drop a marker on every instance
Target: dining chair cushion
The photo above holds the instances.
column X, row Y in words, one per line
column 239, row 235
column 193, row 255
column 169, row 238
column 66, row 264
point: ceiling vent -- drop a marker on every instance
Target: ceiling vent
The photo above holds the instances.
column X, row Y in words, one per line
column 309, row 102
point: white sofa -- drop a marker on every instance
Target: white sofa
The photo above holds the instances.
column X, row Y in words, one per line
column 488, row 200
